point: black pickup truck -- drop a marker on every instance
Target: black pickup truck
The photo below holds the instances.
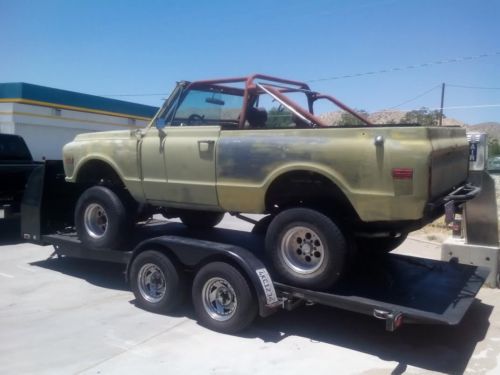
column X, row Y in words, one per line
column 16, row 164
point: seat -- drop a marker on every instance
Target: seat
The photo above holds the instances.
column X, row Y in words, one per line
column 256, row 117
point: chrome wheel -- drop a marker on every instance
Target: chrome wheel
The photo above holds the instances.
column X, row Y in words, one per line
column 219, row 299
column 151, row 282
column 302, row 250
column 95, row 220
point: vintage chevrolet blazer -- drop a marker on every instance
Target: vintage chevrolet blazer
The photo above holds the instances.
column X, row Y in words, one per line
column 213, row 149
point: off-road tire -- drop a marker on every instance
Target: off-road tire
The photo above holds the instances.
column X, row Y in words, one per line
column 306, row 248
column 262, row 226
column 117, row 222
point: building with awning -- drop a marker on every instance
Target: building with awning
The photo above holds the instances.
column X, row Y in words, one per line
column 47, row 118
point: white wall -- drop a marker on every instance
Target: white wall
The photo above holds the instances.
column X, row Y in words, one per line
column 6, row 121
column 46, row 131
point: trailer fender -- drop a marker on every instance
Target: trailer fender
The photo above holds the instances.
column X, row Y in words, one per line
column 194, row 253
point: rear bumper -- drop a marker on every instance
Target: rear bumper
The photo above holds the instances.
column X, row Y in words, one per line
column 463, row 193
column 458, row 196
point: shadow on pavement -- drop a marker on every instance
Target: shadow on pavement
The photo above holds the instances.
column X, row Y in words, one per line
column 10, row 232
column 436, row 348
column 102, row 274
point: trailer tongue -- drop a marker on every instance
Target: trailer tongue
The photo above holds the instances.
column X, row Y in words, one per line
column 232, row 284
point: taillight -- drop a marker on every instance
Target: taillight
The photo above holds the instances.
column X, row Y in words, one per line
column 402, row 173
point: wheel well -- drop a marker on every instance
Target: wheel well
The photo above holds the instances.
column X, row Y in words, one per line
column 224, row 259
column 98, row 171
column 308, row 189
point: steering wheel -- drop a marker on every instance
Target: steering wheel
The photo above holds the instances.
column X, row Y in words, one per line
column 195, row 118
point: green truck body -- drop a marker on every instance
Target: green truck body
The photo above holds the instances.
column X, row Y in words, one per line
column 205, row 167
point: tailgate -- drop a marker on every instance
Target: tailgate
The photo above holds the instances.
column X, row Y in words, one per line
column 14, row 175
column 449, row 159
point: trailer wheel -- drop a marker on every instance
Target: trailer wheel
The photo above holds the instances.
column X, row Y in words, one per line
column 201, row 219
column 307, row 249
column 101, row 218
column 158, row 284
column 222, row 298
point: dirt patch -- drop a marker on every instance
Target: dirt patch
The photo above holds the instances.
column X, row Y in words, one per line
column 437, row 231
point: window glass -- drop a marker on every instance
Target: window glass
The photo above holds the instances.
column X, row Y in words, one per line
column 208, row 108
column 279, row 116
column 13, row 148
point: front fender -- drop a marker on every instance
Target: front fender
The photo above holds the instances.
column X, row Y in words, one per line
column 92, row 158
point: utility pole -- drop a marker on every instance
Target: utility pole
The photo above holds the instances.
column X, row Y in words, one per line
column 442, row 105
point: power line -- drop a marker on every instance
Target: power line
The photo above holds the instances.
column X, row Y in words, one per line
column 408, row 67
column 473, row 87
column 494, row 105
column 416, row 97
column 376, row 72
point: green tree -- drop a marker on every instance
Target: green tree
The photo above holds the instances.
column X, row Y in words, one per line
column 423, row 116
column 348, row 119
column 493, row 147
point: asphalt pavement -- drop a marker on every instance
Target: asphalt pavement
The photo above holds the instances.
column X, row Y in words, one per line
column 69, row 316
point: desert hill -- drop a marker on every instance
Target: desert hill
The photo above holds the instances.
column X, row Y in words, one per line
column 395, row 117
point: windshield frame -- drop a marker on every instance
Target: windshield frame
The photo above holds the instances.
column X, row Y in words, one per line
column 250, row 88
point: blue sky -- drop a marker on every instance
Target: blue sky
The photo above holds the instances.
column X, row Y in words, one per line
column 144, row 47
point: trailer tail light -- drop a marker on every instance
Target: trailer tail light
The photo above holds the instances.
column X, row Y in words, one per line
column 402, row 173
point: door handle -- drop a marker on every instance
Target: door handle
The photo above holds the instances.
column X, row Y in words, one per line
column 205, row 145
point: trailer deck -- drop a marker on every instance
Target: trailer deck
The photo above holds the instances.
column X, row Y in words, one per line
column 396, row 288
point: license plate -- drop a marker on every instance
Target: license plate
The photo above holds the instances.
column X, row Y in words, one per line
column 473, row 152
column 2, row 213
column 267, row 285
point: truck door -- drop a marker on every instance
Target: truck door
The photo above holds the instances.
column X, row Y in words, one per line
column 191, row 133
column 189, row 156
column 151, row 163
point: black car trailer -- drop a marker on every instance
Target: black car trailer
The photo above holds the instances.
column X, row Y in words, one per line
column 231, row 284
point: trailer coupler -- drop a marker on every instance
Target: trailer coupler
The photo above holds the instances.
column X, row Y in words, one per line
column 393, row 320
